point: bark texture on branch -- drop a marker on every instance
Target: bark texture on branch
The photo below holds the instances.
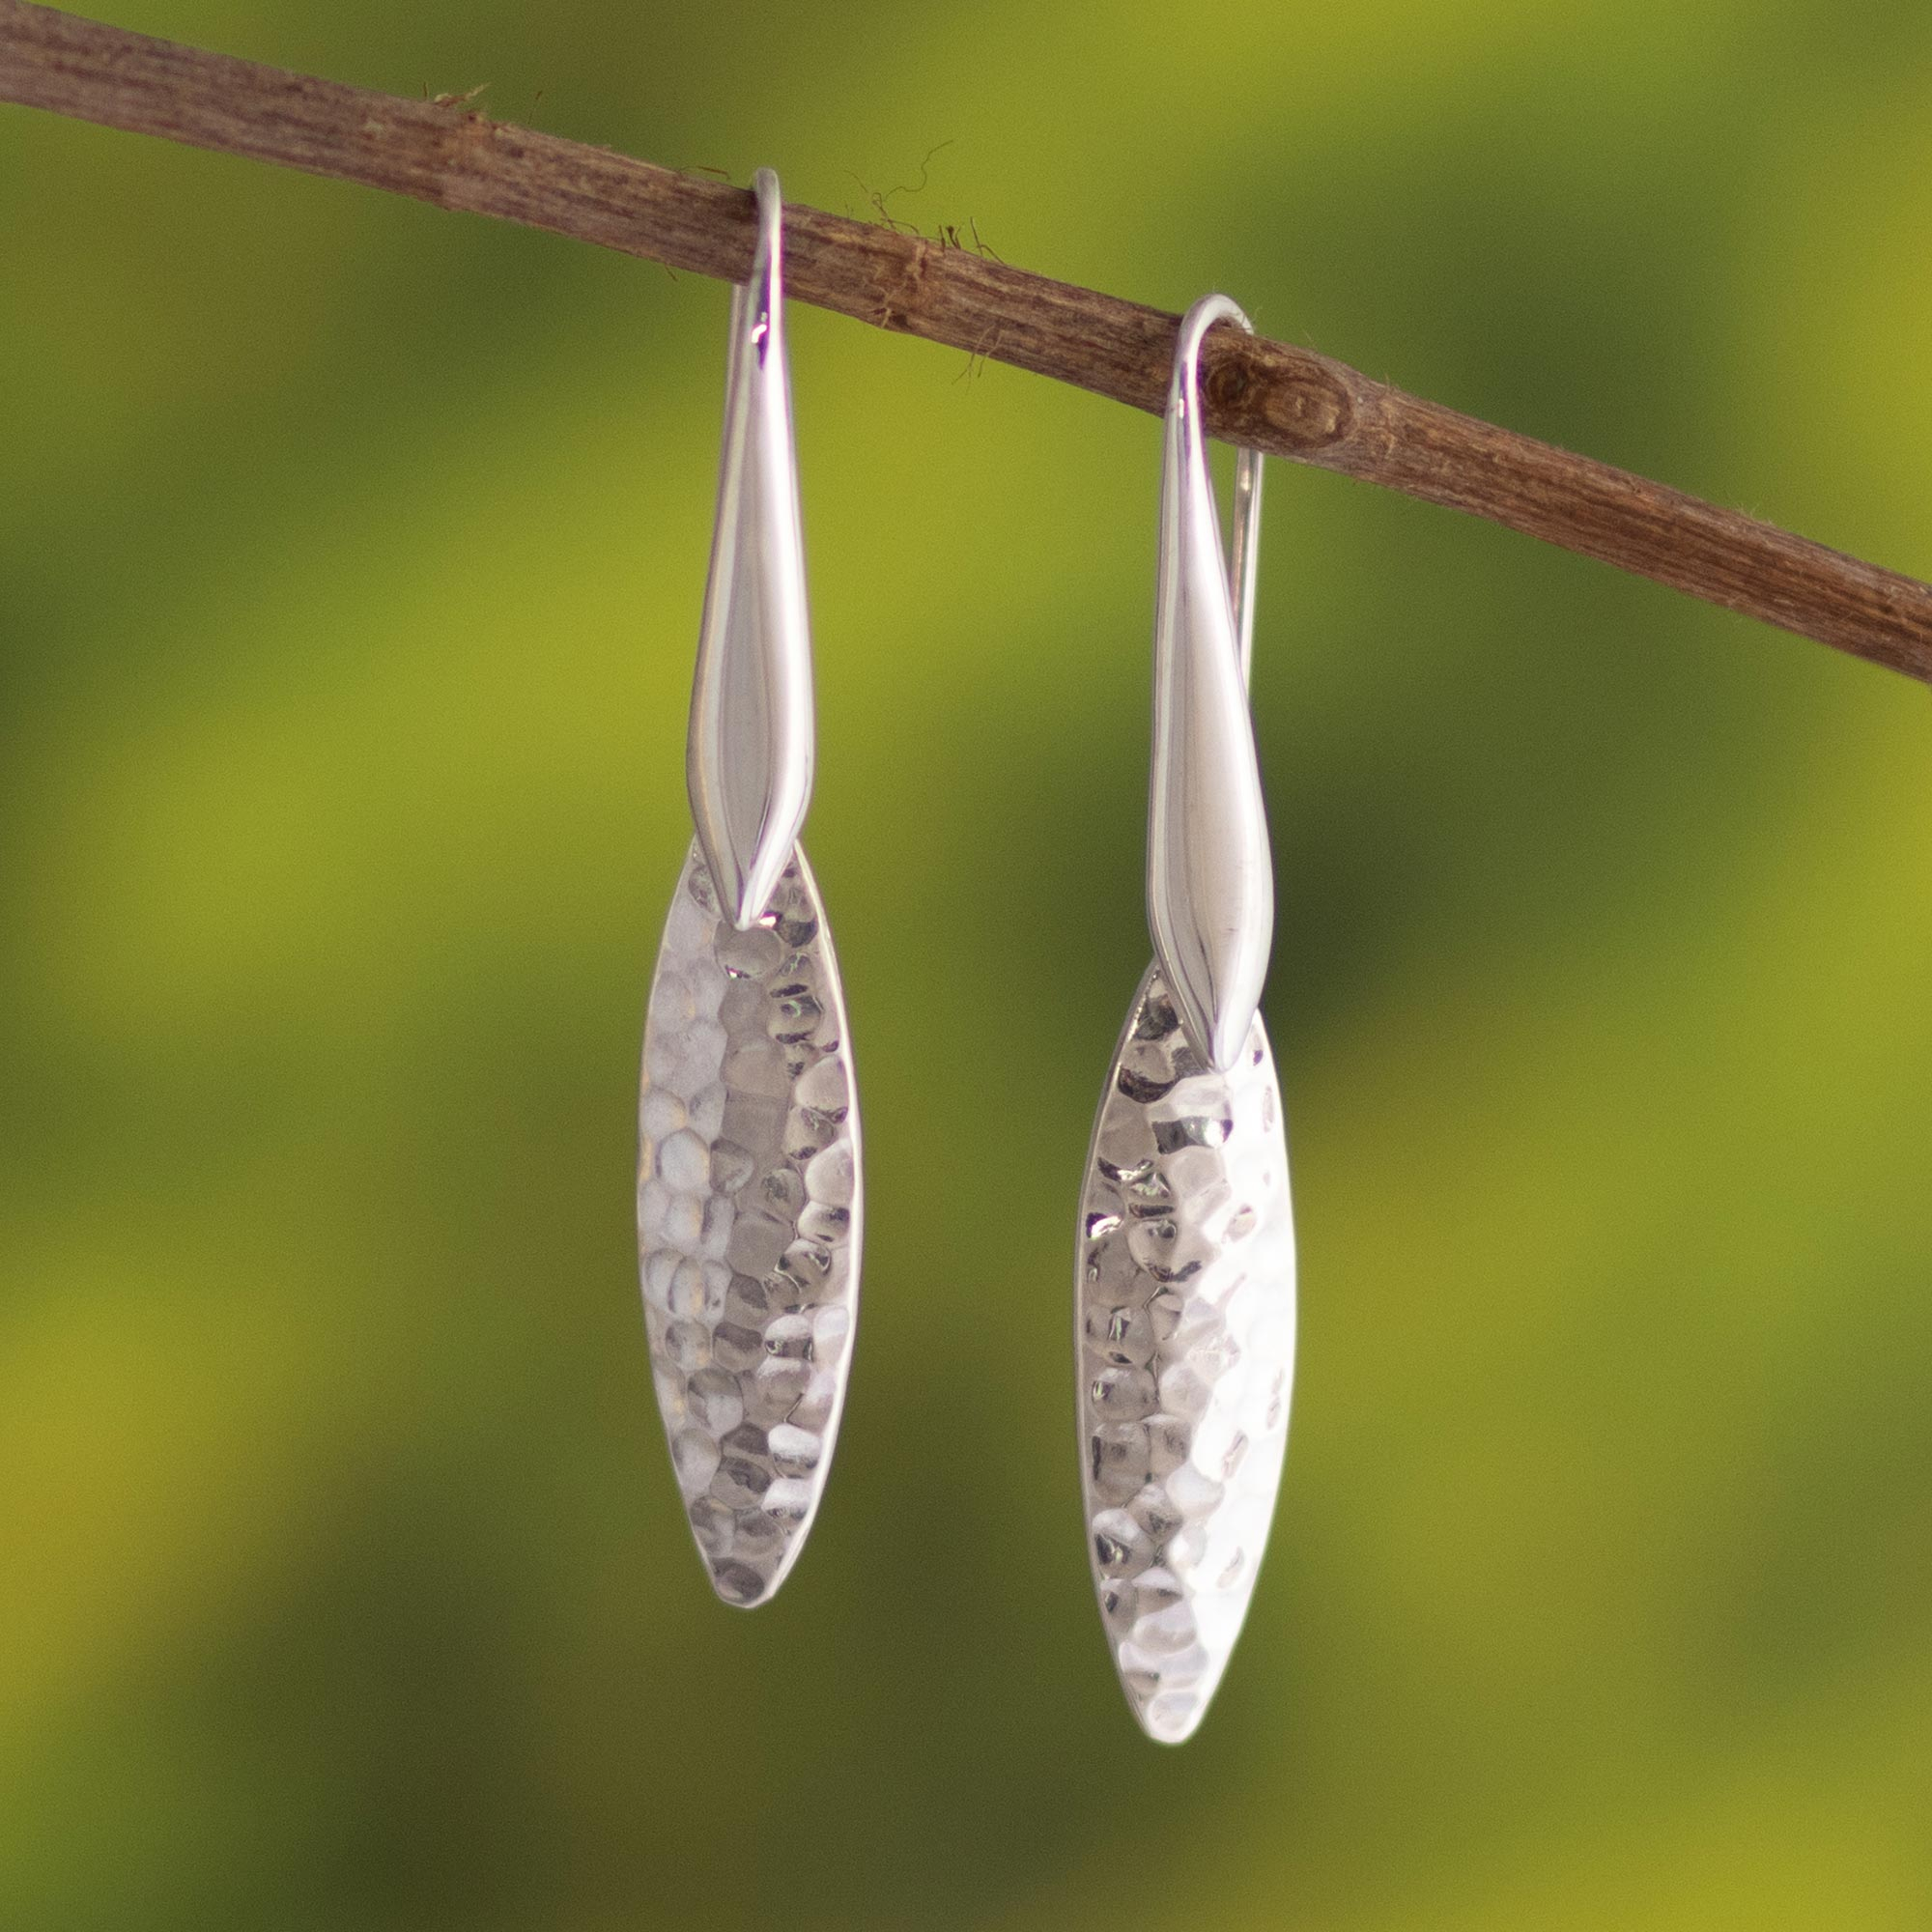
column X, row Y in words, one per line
column 1269, row 396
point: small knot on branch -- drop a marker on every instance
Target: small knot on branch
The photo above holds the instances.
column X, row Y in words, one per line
column 1267, row 395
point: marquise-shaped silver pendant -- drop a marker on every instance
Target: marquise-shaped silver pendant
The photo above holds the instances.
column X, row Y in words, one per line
column 748, row 1217
column 1184, row 1299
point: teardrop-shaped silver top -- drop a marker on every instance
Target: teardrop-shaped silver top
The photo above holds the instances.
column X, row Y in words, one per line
column 1210, row 874
column 748, row 762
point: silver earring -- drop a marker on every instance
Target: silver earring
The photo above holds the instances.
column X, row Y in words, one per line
column 748, row 1208
column 1184, row 1295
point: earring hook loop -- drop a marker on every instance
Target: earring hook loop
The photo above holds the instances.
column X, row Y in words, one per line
column 760, row 297
column 1186, row 394
column 749, row 758
column 1210, row 878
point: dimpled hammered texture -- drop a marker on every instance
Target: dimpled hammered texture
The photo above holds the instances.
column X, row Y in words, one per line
column 749, row 1219
column 1186, row 1342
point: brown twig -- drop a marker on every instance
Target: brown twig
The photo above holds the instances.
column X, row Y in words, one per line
column 1270, row 395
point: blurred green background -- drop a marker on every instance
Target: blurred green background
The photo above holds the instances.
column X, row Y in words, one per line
column 350, row 555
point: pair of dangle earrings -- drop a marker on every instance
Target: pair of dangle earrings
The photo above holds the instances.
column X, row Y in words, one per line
column 750, row 1189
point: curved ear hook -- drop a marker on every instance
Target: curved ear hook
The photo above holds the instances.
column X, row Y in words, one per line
column 1210, row 874
column 761, row 296
column 1186, row 380
column 747, row 760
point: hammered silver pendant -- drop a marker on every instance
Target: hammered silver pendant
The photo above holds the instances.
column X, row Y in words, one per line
column 1185, row 1343
column 1185, row 1281
column 747, row 1164
column 749, row 1219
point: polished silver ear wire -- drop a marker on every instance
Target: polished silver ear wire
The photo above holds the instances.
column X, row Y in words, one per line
column 747, row 761
column 1209, row 872
column 1184, row 1259
column 749, row 1190
column 1246, row 550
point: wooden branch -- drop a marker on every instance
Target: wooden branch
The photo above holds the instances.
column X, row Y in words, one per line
column 1270, row 395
